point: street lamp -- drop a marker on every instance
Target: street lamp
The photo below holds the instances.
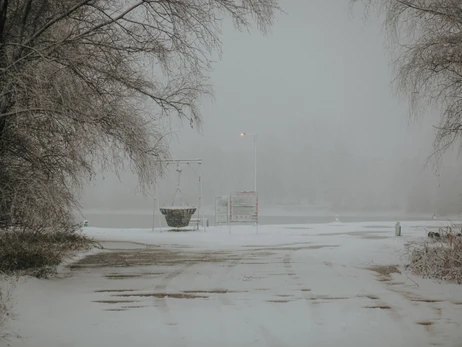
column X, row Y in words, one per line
column 255, row 157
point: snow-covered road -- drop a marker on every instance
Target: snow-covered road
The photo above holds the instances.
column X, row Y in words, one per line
column 317, row 285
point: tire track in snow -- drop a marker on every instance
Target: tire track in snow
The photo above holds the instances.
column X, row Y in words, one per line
column 287, row 261
column 162, row 287
column 162, row 303
column 165, row 281
column 224, row 300
column 270, row 339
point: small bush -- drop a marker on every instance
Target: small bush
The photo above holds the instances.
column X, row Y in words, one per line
column 37, row 254
column 438, row 259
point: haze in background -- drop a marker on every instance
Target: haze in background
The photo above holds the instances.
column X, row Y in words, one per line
column 332, row 135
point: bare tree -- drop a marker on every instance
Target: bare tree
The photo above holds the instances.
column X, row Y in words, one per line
column 428, row 37
column 85, row 83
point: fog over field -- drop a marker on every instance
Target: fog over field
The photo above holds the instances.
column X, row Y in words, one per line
column 332, row 133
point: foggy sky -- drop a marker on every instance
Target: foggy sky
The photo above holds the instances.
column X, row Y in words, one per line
column 317, row 90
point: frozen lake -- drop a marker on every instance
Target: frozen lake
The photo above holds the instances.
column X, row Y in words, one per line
column 145, row 219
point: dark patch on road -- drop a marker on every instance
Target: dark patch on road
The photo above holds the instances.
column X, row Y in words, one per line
column 121, row 276
column 300, row 248
column 385, row 270
column 164, row 296
column 114, row 301
column 426, row 323
column 278, row 301
column 425, row 300
column 115, row 290
column 323, row 297
column 212, row 291
column 146, row 257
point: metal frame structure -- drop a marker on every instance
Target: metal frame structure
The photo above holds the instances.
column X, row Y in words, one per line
column 178, row 162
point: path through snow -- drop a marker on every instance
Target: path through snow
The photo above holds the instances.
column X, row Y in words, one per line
column 317, row 285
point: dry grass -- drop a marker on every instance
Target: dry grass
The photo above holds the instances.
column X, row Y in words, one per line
column 439, row 258
column 37, row 254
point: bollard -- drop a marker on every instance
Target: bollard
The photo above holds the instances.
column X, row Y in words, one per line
column 398, row 229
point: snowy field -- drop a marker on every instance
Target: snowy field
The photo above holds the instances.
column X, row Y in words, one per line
column 299, row 285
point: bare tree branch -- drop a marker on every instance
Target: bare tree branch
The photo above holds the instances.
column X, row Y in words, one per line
column 84, row 85
column 428, row 37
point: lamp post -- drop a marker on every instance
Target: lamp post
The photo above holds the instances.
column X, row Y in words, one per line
column 255, row 157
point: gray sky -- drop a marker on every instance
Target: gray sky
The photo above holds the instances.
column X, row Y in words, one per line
column 317, row 91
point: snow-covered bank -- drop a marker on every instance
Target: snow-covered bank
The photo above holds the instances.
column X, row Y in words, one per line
column 294, row 285
column 264, row 235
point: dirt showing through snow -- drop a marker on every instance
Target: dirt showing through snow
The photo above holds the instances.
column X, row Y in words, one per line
column 322, row 285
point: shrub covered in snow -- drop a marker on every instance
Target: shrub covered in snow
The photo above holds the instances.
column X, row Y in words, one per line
column 37, row 254
column 438, row 258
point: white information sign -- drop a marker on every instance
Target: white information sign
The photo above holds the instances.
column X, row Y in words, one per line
column 221, row 209
column 243, row 207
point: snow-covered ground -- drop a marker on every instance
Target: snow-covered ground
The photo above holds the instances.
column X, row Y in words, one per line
column 298, row 285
